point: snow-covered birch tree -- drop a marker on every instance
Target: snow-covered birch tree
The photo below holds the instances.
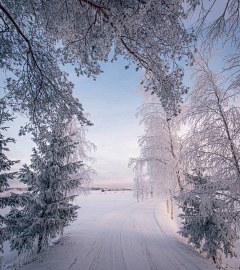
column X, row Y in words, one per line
column 216, row 24
column 159, row 148
column 84, row 147
column 85, row 172
column 140, row 184
column 211, row 154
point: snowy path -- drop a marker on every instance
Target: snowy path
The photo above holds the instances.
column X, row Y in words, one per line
column 132, row 237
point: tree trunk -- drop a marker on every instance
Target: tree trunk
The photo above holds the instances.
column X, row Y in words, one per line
column 1, row 262
column 171, row 208
column 174, row 157
column 168, row 206
column 226, row 126
column 171, row 200
column 214, row 259
column 40, row 243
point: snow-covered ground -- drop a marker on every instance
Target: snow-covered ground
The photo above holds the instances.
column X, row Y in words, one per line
column 113, row 232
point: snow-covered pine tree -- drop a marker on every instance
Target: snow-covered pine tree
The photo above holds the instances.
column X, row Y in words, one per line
column 5, row 167
column 206, row 221
column 48, row 177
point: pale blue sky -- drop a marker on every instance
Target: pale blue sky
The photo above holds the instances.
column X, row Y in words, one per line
column 111, row 100
column 112, row 103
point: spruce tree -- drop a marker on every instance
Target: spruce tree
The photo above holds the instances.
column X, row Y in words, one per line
column 47, row 178
column 206, row 222
column 5, row 166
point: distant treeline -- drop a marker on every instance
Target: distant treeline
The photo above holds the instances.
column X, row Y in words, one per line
column 112, row 189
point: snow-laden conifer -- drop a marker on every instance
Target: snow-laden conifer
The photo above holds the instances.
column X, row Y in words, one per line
column 208, row 219
column 47, row 178
column 5, row 166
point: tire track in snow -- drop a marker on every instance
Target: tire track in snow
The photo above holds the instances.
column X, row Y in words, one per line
column 127, row 216
column 94, row 263
column 112, row 236
column 162, row 243
column 98, row 245
column 160, row 250
column 191, row 265
column 122, row 231
column 135, row 243
column 72, row 263
column 153, row 265
column 121, row 245
column 172, row 257
column 129, row 238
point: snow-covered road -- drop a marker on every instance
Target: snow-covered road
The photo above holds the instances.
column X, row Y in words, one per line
column 133, row 237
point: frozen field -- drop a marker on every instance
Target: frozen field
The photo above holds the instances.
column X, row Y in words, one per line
column 113, row 232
